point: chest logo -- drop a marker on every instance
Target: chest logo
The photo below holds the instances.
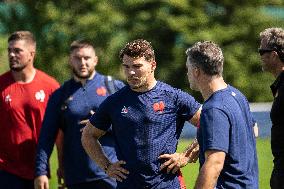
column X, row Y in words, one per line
column 234, row 94
column 124, row 110
column 40, row 96
column 8, row 99
column 159, row 107
column 101, row 91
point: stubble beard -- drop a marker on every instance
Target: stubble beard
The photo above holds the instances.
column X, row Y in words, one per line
column 141, row 85
column 17, row 67
column 80, row 76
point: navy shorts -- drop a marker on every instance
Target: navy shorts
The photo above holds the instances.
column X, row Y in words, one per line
column 8, row 180
column 102, row 183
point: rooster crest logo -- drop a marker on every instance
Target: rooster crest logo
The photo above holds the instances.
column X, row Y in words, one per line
column 159, row 107
column 40, row 96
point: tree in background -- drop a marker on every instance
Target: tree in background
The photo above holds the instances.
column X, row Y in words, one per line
column 171, row 25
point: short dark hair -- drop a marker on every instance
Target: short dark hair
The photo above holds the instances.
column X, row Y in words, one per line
column 23, row 35
column 137, row 49
column 207, row 56
column 82, row 43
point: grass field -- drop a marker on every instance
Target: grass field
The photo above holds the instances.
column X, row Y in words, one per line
column 265, row 165
column 190, row 172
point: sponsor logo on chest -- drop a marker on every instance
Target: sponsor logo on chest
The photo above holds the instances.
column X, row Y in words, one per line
column 157, row 107
column 124, row 110
column 39, row 96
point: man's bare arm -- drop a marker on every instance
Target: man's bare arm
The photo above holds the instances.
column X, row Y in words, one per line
column 210, row 170
column 195, row 118
column 93, row 148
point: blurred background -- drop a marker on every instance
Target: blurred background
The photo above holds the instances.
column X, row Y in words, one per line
column 171, row 25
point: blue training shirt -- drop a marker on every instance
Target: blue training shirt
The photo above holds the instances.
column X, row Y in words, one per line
column 226, row 124
column 69, row 105
column 146, row 125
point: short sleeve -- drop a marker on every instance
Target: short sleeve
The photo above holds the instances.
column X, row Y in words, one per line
column 101, row 119
column 215, row 128
column 187, row 105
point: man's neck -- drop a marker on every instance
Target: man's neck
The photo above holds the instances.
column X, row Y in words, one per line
column 24, row 76
column 147, row 87
column 211, row 85
column 278, row 71
column 84, row 80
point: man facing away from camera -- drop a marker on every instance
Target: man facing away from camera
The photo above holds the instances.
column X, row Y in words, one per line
column 228, row 157
column 147, row 117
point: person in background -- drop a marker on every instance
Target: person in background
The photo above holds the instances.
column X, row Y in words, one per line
column 147, row 117
column 68, row 108
column 228, row 157
column 271, row 52
column 25, row 91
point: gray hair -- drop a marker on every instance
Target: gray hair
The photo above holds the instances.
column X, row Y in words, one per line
column 207, row 56
column 275, row 40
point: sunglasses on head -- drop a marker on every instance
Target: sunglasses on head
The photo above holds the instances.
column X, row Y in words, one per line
column 263, row 51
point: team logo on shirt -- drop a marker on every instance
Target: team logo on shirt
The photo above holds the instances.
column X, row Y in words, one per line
column 8, row 98
column 40, row 95
column 101, row 91
column 159, row 107
column 124, row 110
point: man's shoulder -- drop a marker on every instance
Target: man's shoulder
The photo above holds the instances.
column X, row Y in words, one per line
column 6, row 75
column 113, row 84
column 173, row 92
column 166, row 88
column 5, row 80
column 217, row 100
column 225, row 99
column 44, row 77
column 65, row 88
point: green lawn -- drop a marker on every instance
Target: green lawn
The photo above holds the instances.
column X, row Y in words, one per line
column 265, row 164
column 190, row 171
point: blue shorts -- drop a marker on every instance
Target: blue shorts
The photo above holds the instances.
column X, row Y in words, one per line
column 8, row 180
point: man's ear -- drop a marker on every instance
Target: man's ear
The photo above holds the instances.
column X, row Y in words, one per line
column 153, row 65
column 275, row 56
column 96, row 60
column 33, row 53
column 196, row 72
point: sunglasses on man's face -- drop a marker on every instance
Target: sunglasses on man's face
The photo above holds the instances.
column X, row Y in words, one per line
column 263, row 51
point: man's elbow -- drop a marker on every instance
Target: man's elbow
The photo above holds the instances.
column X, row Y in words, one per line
column 216, row 159
column 218, row 165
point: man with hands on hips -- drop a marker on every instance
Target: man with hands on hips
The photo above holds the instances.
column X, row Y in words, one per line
column 147, row 118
